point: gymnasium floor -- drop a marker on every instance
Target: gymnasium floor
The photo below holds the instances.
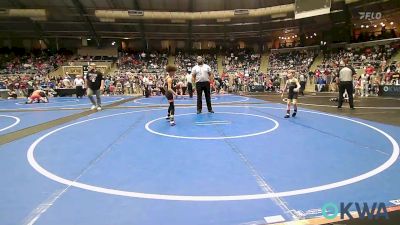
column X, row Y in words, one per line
column 245, row 164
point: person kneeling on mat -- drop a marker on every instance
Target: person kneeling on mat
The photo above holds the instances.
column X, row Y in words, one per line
column 169, row 93
column 37, row 96
column 293, row 86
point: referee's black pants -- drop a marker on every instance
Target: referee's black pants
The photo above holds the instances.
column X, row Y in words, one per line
column 200, row 87
column 348, row 86
column 79, row 91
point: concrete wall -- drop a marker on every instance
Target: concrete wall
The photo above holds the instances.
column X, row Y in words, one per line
column 93, row 51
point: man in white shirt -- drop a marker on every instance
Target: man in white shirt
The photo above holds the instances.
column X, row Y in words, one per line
column 78, row 83
column 201, row 74
column 364, row 85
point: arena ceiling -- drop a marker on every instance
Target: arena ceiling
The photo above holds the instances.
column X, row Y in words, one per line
column 76, row 18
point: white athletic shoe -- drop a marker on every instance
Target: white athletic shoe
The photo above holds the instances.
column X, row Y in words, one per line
column 98, row 108
column 93, row 107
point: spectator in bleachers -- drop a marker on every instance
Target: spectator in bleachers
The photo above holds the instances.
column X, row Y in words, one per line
column 79, row 84
column 66, row 81
column 321, row 82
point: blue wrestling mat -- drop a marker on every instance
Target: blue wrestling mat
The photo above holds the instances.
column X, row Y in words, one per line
column 244, row 164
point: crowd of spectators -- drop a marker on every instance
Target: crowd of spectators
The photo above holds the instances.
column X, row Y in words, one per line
column 142, row 62
column 281, row 62
column 370, row 62
column 41, row 64
column 245, row 61
column 135, row 70
column 89, row 58
column 300, row 61
column 21, row 72
column 241, row 69
column 24, row 84
column 239, row 82
column 186, row 61
column 143, row 72
column 359, row 57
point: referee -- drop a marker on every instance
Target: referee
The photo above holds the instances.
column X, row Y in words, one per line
column 345, row 82
column 201, row 73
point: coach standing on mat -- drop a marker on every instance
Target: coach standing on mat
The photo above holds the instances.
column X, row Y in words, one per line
column 345, row 82
column 201, row 74
column 94, row 86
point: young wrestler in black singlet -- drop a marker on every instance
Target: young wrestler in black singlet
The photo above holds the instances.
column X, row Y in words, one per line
column 169, row 93
column 293, row 86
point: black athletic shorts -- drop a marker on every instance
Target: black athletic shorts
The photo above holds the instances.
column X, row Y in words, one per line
column 293, row 95
column 169, row 95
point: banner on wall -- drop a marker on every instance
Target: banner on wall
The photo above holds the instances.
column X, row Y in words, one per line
column 73, row 70
column 390, row 90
